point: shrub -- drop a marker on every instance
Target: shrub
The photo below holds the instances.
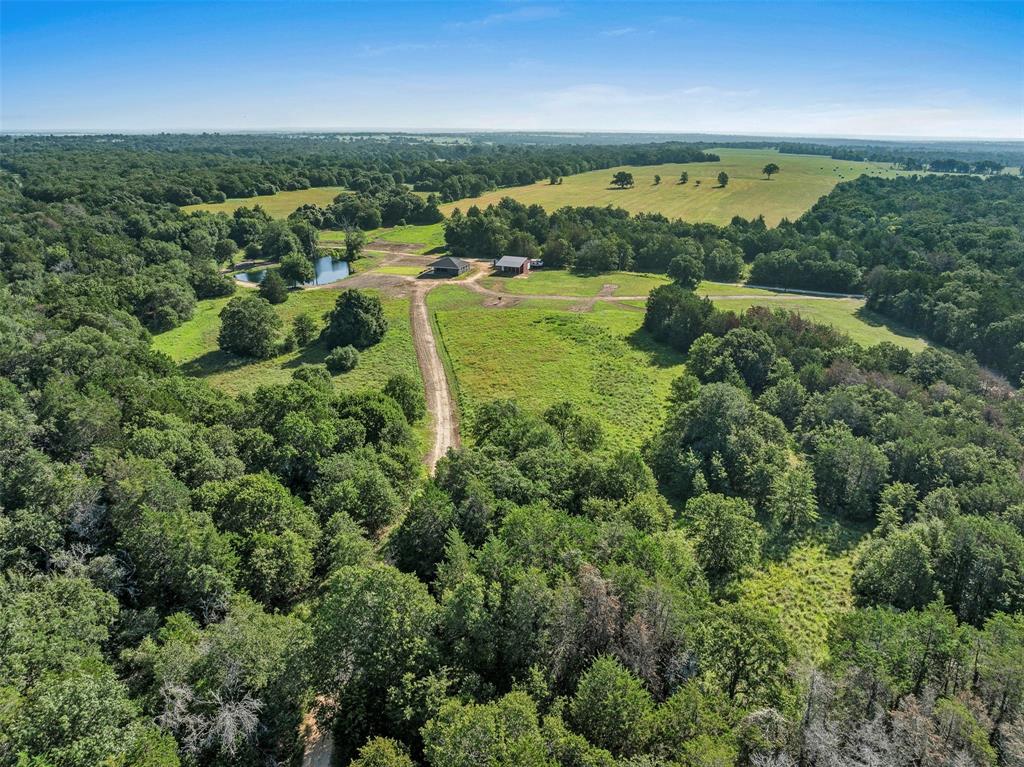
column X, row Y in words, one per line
column 342, row 359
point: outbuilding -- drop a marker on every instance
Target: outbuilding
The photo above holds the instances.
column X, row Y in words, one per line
column 512, row 265
column 449, row 266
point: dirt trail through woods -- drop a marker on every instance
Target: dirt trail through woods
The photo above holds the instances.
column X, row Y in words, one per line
column 319, row 742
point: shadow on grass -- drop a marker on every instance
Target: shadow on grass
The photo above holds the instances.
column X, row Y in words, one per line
column 215, row 361
column 659, row 354
column 314, row 354
column 431, row 275
column 876, row 320
column 838, row 536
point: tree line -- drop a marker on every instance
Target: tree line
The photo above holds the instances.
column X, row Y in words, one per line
column 186, row 170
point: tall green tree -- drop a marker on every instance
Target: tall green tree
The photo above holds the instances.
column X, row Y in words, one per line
column 612, row 709
column 622, row 179
column 297, row 269
column 357, row 319
column 249, row 327
column 273, row 288
column 727, row 536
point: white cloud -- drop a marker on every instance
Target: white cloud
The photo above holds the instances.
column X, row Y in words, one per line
column 527, row 13
column 369, row 51
column 620, row 32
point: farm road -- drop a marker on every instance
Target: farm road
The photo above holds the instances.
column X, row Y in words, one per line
column 435, row 381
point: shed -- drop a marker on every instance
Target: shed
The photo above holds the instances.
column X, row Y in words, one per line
column 512, row 265
column 449, row 266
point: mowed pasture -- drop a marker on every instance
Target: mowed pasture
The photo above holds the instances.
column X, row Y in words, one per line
column 540, row 352
column 846, row 314
column 561, row 283
column 193, row 345
column 802, row 181
column 423, row 238
column 279, row 205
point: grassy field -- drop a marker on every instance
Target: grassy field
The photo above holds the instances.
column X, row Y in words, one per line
column 803, row 179
column 561, row 283
column 279, row 205
column 540, row 353
column 807, row 590
column 846, row 314
column 426, row 238
column 193, row 346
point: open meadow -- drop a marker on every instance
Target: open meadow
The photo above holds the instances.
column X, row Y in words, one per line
column 801, row 182
column 279, row 205
column 193, row 345
column 557, row 282
column 423, row 238
column 541, row 352
column 846, row 314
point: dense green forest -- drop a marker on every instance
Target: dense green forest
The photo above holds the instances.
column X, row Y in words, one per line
column 184, row 169
column 186, row 574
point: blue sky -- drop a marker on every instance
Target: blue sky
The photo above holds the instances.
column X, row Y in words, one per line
column 874, row 69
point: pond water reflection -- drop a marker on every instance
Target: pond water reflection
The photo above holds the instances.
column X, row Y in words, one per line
column 328, row 270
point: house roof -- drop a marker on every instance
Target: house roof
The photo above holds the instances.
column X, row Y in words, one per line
column 450, row 262
column 512, row 262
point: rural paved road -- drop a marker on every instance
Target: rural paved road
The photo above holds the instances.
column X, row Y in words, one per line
column 435, row 380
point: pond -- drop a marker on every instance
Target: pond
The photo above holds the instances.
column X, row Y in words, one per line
column 328, row 270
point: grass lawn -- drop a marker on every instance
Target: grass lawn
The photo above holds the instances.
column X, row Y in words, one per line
column 802, row 180
column 540, row 353
column 846, row 314
column 426, row 238
column 279, row 205
column 194, row 347
column 407, row 271
column 724, row 289
column 557, row 282
column 807, row 590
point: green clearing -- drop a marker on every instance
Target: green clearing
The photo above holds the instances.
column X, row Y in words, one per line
column 846, row 314
column 725, row 289
column 426, row 238
column 406, row 271
column 802, row 181
column 540, row 353
column 279, row 205
column 193, row 346
column 808, row 591
column 561, row 283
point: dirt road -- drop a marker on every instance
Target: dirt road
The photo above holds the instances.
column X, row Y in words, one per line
column 440, row 404
column 319, row 742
